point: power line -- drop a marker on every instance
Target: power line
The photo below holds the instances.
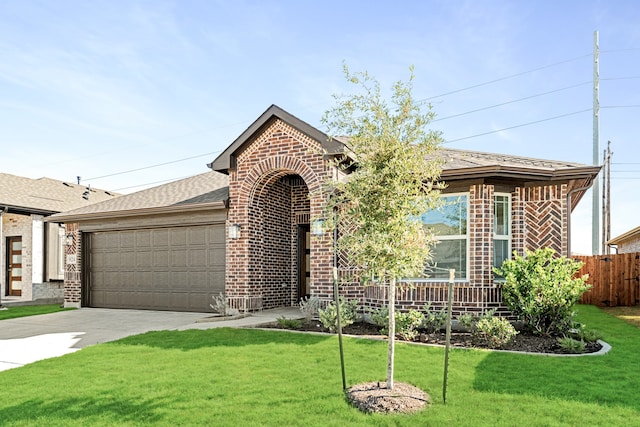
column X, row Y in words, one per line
column 518, row 126
column 504, row 78
column 513, row 101
column 151, row 166
column 621, row 106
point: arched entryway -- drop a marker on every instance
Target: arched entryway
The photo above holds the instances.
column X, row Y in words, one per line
column 278, row 242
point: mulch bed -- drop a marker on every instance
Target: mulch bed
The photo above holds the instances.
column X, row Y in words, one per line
column 522, row 342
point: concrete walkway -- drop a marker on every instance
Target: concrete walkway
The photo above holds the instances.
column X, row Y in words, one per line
column 28, row 339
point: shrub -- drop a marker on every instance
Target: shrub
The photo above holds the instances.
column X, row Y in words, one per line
column 348, row 314
column 494, row 331
column 380, row 318
column 310, row 306
column 407, row 324
column 540, row 290
column 433, row 320
column 283, row 322
column 570, row 345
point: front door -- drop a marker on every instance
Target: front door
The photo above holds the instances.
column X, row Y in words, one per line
column 304, row 261
column 14, row 266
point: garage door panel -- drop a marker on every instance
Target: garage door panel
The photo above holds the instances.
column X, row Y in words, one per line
column 177, row 268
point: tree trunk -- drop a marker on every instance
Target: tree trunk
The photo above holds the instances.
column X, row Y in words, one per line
column 392, row 332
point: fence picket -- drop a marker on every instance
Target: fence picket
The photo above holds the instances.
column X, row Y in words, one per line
column 614, row 279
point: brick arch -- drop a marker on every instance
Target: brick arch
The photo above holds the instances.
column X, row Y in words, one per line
column 266, row 172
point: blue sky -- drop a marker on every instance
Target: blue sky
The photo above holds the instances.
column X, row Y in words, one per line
column 93, row 89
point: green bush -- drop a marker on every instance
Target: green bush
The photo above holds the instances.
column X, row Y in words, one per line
column 433, row 320
column 407, row 324
column 348, row 314
column 541, row 288
column 496, row 332
column 493, row 331
column 380, row 318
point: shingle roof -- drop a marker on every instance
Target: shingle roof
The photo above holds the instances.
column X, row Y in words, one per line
column 208, row 187
column 46, row 195
column 461, row 159
column 631, row 234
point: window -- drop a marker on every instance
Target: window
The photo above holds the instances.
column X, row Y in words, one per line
column 501, row 229
column 449, row 223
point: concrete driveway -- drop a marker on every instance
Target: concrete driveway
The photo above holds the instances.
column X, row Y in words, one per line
column 28, row 339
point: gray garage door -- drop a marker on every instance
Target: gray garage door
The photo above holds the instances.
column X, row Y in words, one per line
column 175, row 268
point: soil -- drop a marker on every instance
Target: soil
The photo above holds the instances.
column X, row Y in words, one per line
column 522, row 342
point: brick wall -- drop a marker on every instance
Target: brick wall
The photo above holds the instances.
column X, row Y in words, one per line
column 538, row 219
column 629, row 246
column 72, row 268
column 272, row 174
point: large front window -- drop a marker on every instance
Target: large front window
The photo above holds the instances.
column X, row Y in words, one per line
column 449, row 223
column 501, row 229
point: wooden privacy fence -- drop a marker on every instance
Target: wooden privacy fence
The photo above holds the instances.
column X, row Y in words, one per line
column 615, row 279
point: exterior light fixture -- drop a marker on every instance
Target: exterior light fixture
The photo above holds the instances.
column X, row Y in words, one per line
column 69, row 239
column 317, row 227
column 234, row 231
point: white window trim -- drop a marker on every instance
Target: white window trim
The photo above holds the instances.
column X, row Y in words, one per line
column 509, row 236
column 457, row 237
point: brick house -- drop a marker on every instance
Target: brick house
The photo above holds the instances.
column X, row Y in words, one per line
column 245, row 228
column 31, row 250
column 627, row 242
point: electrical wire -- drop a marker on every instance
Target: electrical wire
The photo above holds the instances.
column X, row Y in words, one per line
column 503, row 78
column 518, row 126
column 152, row 166
column 513, row 101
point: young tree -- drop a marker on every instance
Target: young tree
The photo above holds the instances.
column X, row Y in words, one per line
column 394, row 182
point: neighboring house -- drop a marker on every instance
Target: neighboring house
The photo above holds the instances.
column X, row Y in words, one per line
column 627, row 242
column 246, row 228
column 31, row 250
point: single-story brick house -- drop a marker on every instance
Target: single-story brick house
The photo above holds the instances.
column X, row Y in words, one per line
column 32, row 250
column 245, row 228
column 626, row 242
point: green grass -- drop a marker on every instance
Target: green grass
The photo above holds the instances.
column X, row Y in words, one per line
column 223, row 377
column 14, row 312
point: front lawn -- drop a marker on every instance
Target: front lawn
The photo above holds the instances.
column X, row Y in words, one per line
column 13, row 312
column 275, row 378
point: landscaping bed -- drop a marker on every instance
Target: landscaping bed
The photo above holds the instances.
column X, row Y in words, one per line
column 522, row 342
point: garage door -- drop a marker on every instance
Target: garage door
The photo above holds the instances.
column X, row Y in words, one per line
column 174, row 268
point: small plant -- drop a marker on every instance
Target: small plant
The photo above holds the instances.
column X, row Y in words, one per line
column 467, row 321
column 433, row 320
column 380, row 318
column 407, row 324
column 310, row 306
column 348, row 314
column 571, row 345
column 221, row 306
column 496, row 332
column 587, row 335
column 285, row 323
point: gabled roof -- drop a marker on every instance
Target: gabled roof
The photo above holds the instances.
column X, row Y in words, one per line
column 626, row 236
column 225, row 160
column 207, row 190
column 45, row 196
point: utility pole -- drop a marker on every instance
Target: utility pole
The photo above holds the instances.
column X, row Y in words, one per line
column 595, row 223
column 606, row 199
